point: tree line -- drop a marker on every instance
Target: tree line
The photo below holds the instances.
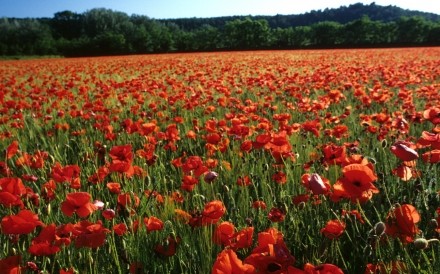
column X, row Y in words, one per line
column 106, row 32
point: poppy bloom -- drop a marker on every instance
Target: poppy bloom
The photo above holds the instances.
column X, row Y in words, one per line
column 394, row 267
column 88, row 234
column 108, row 214
column 356, row 183
column 333, row 229
column 13, row 186
column 403, row 151
column 223, row 233
column 242, row 238
column 276, row 214
column 322, row 269
column 69, row 174
column 228, row 262
column 78, row 202
column 271, row 255
column 404, row 172
column 122, row 158
column 121, row 153
column 333, row 154
column 11, row 192
column 401, row 223
column 44, row 244
column 280, row 177
column 189, row 183
column 153, row 223
column 429, row 139
column 259, row 204
column 317, row 184
column 24, row 222
column 210, row 176
column 194, row 165
column 168, row 247
column 212, row 212
column 244, row 180
column 432, row 156
column 68, row 271
column 120, row 229
column 12, row 149
column 432, row 114
column 11, row 265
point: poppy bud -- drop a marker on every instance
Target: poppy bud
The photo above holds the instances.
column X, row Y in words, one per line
column 403, row 152
column 210, row 176
column 421, row 243
column 99, row 204
column 434, row 223
column 316, row 184
column 379, row 228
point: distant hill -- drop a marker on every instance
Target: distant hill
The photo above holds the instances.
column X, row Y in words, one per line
column 343, row 14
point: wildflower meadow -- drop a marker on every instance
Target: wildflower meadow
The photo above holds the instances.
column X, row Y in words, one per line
column 305, row 161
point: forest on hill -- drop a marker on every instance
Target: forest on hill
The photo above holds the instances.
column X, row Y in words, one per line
column 106, row 32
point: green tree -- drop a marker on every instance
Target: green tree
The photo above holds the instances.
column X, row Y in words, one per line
column 326, row 34
column 247, row 34
column 411, row 30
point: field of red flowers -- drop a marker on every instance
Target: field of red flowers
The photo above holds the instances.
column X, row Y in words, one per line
column 319, row 161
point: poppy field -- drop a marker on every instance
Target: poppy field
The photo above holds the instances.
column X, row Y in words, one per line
column 313, row 161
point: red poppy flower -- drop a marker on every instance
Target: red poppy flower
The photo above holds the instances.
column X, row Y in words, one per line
column 24, row 222
column 246, row 146
column 276, row 214
column 317, row 184
column 153, row 223
column 244, row 180
column 68, row 271
column 120, row 229
column 394, row 267
column 228, row 262
column 356, row 183
column 242, row 238
column 79, row 203
column 223, row 233
column 429, row 139
column 108, row 214
column 114, row 187
column 88, row 234
column 11, row 265
column 322, row 269
column 189, row 182
column 44, row 243
column 334, row 154
column 12, row 149
column 404, row 172
column 333, row 229
column 271, row 255
column 126, row 200
column 403, row 151
column 168, row 247
column 194, row 165
column 432, row 156
column 432, row 114
column 122, row 153
column 259, row 204
column 401, row 223
column 13, row 186
column 280, row 177
column 212, row 212
column 68, row 174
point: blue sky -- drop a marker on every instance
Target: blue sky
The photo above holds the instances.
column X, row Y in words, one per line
column 191, row 8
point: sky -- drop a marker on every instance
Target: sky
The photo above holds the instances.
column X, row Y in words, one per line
column 161, row 9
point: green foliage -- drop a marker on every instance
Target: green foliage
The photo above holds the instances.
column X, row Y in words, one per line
column 106, row 32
